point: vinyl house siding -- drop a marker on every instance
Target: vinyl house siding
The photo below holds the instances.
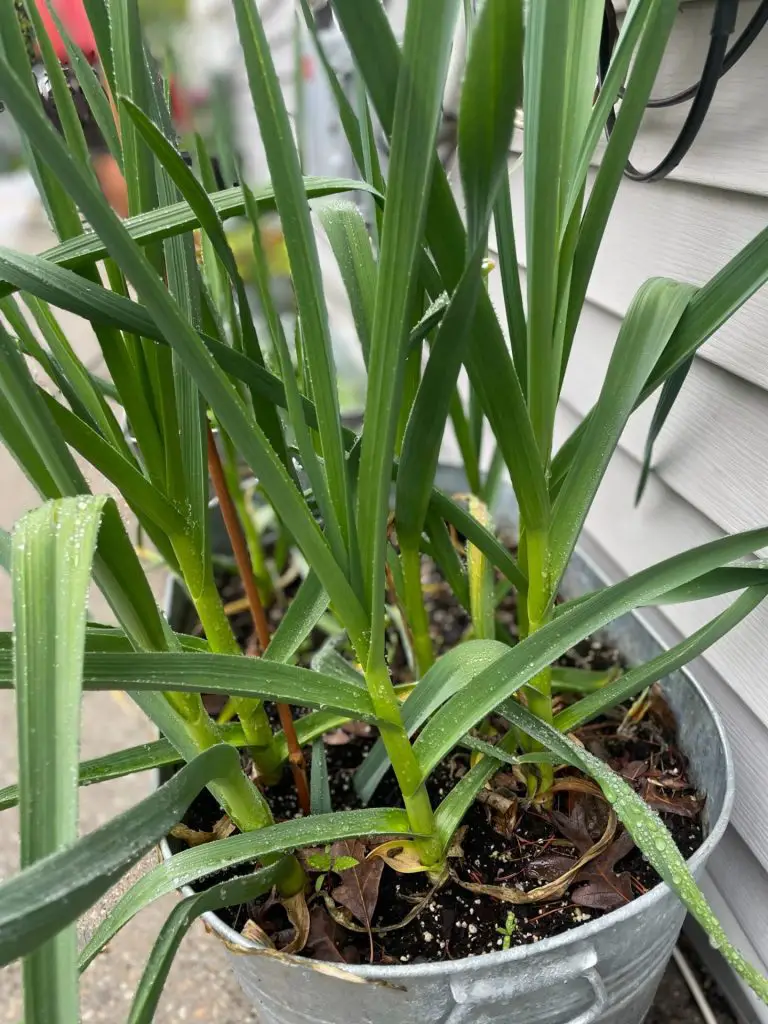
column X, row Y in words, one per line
column 711, row 461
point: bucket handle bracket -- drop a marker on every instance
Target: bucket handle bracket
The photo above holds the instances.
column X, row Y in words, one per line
column 470, row 996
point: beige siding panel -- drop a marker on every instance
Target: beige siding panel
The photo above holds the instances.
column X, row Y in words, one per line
column 736, row 933
column 744, row 885
column 685, row 232
column 713, row 449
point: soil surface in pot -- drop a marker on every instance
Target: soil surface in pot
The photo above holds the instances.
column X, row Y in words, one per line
column 562, row 865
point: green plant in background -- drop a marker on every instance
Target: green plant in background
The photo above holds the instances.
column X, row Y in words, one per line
column 186, row 346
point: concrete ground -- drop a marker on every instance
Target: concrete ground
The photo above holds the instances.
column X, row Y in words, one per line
column 200, row 986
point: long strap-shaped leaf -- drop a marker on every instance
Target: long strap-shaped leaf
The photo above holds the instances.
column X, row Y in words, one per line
column 69, row 120
column 650, row 321
column 196, row 672
column 509, row 272
column 631, row 29
column 217, row 389
column 712, row 305
column 351, row 244
column 558, row 128
column 66, row 289
column 31, row 433
column 301, row 617
column 426, row 424
column 157, row 225
column 648, row 58
column 92, row 89
column 31, row 436
column 285, row 171
column 63, row 288
column 453, row 808
column 669, row 392
column 720, row 581
column 350, row 121
column 139, row 492
column 54, row 892
column 429, row 30
column 546, row 65
column 132, row 80
column 489, row 99
column 491, row 370
column 120, row 575
column 584, row 37
column 297, row 414
column 238, row 890
column 724, row 580
column 637, row 679
column 199, row 861
column 492, row 686
column 201, row 204
column 77, row 375
column 49, row 361
column 647, row 829
column 158, row 754
column 53, row 549
column 99, row 20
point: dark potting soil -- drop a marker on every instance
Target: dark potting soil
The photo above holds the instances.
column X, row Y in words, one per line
column 371, row 913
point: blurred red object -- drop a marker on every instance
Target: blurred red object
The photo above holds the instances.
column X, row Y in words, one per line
column 74, row 19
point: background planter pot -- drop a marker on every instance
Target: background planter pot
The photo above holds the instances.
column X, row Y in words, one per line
column 603, row 972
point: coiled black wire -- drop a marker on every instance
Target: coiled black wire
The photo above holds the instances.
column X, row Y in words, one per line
column 749, row 34
column 719, row 61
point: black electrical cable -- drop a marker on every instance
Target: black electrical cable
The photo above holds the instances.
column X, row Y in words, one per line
column 723, row 26
column 749, row 34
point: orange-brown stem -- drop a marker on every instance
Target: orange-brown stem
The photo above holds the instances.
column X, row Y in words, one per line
column 243, row 559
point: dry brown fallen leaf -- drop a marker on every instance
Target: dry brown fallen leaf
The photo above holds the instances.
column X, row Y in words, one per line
column 358, row 890
column 604, row 888
column 682, row 804
column 320, row 941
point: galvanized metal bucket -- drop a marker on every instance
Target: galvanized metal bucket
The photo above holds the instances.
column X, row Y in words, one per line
column 603, row 972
